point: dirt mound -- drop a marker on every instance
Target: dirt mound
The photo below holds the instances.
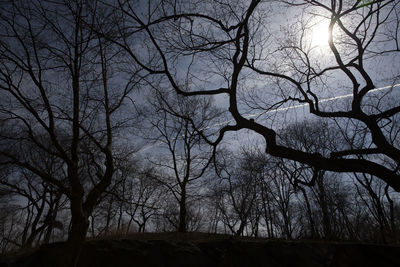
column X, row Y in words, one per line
column 212, row 250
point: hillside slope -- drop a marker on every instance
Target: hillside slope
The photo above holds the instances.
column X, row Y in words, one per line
column 211, row 250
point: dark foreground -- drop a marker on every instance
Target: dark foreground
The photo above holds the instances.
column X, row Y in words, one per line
column 210, row 250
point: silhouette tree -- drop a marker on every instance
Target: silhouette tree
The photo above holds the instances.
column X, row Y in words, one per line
column 188, row 156
column 59, row 95
column 258, row 68
column 376, row 198
column 237, row 190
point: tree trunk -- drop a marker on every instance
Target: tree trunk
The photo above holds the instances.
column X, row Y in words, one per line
column 79, row 227
column 182, row 213
column 76, row 238
column 313, row 231
column 326, row 219
column 243, row 223
column 392, row 219
column 109, row 216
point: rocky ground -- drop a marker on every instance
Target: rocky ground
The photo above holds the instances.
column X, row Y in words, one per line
column 197, row 249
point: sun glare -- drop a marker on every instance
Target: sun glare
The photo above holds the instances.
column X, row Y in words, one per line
column 320, row 34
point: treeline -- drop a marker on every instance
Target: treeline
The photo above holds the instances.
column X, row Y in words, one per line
column 244, row 192
column 121, row 116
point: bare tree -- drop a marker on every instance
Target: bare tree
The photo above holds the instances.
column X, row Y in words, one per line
column 237, row 191
column 314, row 137
column 40, row 210
column 237, row 45
column 188, row 156
column 138, row 195
column 59, row 95
column 376, row 198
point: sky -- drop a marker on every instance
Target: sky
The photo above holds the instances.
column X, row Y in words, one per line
column 280, row 26
column 336, row 91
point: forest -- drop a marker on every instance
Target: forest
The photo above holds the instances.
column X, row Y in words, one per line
column 268, row 119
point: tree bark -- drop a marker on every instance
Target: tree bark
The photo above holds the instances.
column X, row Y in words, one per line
column 182, row 212
column 76, row 237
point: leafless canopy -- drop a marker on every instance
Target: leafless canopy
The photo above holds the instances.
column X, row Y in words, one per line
column 236, row 51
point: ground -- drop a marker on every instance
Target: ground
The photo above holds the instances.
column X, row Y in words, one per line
column 196, row 249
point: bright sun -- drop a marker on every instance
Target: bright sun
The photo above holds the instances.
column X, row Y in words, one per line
column 320, row 34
